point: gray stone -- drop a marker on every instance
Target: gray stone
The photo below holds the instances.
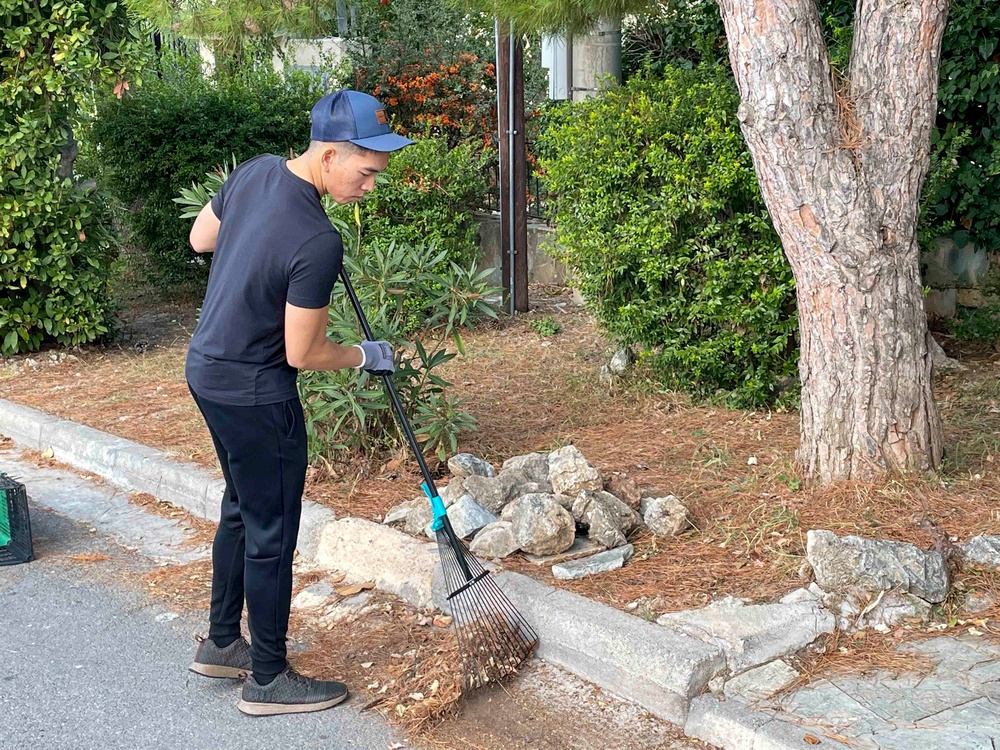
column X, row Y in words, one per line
column 495, row 541
column 981, row 550
column 531, row 488
column 534, row 465
column 621, row 361
column 346, row 610
column 467, row 465
column 541, row 525
column 602, row 562
column 313, row 597
column 932, row 739
column 762, row 682
column 452, row 491
column 413, row 516
column 665, row 516
column 755, row 634
column 731, row 725
column 624, row 487
column 607, row 518
column 467, row 517
column 881, row 611
column 493, row 493
column 908, row 697
column 942, row 363
column 941, row 303
column 613, row 649
column 846, row 563
column 811, row 593
column 582, row 547
column 570, row 473
column 825, row 702
column 367, row 551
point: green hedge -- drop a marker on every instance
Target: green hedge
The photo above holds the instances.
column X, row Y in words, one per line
column 176, row 127
column 56, row 250
column 667, row 234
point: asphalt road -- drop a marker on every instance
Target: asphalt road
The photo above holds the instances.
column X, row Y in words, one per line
column 86, row 665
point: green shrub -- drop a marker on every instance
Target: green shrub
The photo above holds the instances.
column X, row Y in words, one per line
column 667, row 234
column 428, row 195
column 177, row 126
column 348, row 412
column 56, row 250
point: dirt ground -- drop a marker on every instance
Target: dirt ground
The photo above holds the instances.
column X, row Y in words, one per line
column 735, row 469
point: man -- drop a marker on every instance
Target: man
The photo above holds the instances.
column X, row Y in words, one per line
column 276, row 260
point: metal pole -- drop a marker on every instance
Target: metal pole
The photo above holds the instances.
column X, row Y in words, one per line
column 512, row 248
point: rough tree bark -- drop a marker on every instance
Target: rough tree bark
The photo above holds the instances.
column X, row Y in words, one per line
column 841, row 162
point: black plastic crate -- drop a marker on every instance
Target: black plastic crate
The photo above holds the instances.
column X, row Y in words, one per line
column 15, row 526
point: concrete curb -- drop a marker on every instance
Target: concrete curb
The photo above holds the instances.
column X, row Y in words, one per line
column 733, row 725
column 138, row 468
column 659, row 669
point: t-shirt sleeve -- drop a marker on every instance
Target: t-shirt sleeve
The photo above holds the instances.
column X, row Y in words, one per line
column 219, row 200
column 314, row 271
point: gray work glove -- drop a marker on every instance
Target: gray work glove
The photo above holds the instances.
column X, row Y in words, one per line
column 377, row 357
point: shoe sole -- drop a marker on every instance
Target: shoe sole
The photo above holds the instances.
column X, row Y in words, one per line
column 276, row 709
column 218, row 671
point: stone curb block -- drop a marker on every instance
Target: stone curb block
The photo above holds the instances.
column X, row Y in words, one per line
column 655, row 667
column 735, row 726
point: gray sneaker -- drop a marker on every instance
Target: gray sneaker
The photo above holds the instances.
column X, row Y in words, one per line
column 233, row 661
column 290, row 693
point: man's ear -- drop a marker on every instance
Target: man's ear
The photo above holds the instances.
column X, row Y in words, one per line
column 327, row 157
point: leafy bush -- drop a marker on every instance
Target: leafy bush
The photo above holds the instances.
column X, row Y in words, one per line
column 976, row 324
column 56, row 250
column 348, row 411
column 426, row 196
column 166, row 134
column 668, row 236
column 969, row 122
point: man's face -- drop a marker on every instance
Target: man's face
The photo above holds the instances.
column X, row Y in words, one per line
column 349, row 176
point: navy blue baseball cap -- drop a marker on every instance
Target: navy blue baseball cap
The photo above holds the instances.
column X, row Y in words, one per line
column 347, row 115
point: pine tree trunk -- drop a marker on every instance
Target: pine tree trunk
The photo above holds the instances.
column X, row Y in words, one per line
column 841, row 162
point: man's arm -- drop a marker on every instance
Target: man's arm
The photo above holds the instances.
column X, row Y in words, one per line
column 205, row 231
column 307, row 346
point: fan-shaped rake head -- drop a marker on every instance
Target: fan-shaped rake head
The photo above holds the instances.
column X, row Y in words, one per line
column 494, row 639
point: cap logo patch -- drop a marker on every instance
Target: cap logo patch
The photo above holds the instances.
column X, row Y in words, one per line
column 380, row 117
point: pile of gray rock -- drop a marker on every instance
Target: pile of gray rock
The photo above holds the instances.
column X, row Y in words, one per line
column 543, row 504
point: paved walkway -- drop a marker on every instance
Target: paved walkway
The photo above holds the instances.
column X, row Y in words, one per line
column 955, row 707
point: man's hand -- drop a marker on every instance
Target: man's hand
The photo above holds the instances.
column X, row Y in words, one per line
column 378, row 357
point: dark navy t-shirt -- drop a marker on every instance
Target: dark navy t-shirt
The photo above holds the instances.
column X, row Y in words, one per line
column 275, row 245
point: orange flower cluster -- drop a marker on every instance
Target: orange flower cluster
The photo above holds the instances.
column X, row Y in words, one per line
column 454, row 99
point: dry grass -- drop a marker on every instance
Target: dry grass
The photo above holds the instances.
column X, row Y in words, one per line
column 89, row 557
column 202, row 530
column 187, row 587
column 405, row 667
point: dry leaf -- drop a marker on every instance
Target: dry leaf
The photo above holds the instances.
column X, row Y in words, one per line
column 337, row 578
column 442, row 621
column 811, row 739
column 48, row 452
column 355, row 588
column 417, row 696
column 400, row 709
column 367, row 664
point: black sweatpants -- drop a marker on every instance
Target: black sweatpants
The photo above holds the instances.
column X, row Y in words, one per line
column 262, row 451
